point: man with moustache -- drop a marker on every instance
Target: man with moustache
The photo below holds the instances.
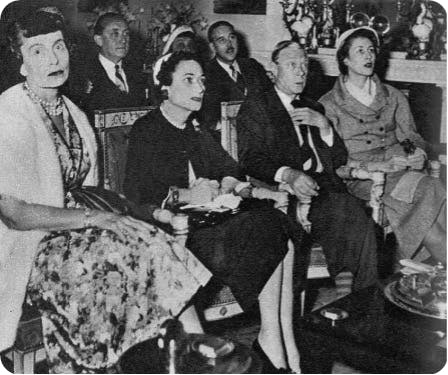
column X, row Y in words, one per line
column 284, row 137
column 111, row 82
column 228, row 77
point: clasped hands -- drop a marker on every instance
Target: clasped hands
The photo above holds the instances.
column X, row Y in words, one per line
column 396, row 163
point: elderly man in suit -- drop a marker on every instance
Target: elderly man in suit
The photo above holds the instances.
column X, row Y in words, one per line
column 228, row 77
column 113, row 83
column 285, row 137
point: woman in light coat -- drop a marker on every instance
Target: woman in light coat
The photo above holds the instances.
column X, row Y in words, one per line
column 102, row 281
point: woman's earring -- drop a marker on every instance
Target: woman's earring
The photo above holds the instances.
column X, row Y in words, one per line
column 164, row 94
column 23, row 70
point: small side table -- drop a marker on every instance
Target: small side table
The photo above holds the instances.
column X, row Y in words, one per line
column 376, row 337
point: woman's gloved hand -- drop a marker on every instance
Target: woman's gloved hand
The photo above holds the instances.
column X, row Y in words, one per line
column 203, row 191
column 417, row 159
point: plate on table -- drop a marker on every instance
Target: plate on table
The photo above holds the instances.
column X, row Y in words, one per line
column 391, row 296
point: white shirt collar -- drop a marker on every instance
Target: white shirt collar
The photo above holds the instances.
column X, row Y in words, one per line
column 108, row 64
column 226, row 67
column 286, row 99
column 109, row 67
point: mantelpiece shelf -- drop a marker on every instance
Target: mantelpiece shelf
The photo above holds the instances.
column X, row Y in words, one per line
column 418, row 71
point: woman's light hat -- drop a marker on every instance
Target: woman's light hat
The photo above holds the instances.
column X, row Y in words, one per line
column 347, row 33
column 157, row 66
column 173, row 36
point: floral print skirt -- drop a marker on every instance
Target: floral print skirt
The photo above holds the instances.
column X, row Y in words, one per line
column 99, row 296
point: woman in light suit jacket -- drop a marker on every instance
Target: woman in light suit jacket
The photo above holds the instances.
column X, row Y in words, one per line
column 373, row 119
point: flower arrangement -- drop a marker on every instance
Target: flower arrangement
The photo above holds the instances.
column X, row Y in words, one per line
column 99, row 7
column 165, row 19
column 169, row 17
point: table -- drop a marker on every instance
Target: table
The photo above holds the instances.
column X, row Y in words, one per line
column 377, row 337
column 145, row 358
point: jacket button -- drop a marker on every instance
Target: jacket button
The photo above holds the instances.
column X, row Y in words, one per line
column 381, row 129
column 368, row 142
column 361, row 120
column 377, row 117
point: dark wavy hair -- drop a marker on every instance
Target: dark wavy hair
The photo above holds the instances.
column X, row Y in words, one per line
column 214, row 26
column 343, row 51
column 37, row 23
column 104, row 20
column 168, row 67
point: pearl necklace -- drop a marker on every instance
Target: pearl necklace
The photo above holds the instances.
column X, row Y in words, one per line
column 52, row 108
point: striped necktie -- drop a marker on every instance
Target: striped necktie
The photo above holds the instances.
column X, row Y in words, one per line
column 305, row 149
column 119, row 79
column 238, row 78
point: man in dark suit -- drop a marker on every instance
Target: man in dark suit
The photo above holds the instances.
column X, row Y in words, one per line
column 286, row 138
column 228, row 77
column 113, row 83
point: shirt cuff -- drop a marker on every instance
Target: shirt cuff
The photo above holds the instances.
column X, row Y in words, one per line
column 240, row 186
column 279, row 174
column 329, row 138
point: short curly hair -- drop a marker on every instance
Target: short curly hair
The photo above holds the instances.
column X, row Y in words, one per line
column 40, row 22
column 168, row 67
column 343, row 51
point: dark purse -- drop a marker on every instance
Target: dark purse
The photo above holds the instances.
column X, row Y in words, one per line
column 98, row 198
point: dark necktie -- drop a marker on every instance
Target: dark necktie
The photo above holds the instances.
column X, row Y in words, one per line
column 306, row 151
column 120, row 81
column 238, row 78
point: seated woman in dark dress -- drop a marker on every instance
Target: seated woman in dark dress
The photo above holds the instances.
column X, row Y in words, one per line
column 169, row 156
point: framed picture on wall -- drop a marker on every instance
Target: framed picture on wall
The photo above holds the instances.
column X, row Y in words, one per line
column 240, row 6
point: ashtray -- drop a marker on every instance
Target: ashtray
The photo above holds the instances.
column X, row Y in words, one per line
column 212, row 346
column 333, row 313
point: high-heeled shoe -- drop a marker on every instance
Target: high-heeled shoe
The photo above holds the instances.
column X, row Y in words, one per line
column 267, row 366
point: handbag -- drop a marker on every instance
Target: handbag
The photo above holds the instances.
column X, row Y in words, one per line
column 98, row 198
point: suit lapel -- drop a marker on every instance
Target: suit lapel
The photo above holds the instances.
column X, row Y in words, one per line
column 280, row 118
column 225, row 77
column 104, row 79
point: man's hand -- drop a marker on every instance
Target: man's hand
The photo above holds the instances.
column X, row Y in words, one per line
column 308, row 116
column 304, row 186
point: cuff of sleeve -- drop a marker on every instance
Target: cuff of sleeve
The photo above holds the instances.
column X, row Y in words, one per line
column 240, row 186
column 329, row 138
column 279, row 174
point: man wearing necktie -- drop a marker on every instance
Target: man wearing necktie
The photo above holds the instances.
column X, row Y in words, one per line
column 284, row 137
column 228, row 77
column 112, row 82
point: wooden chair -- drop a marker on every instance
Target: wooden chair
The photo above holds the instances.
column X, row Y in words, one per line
column 113, row 127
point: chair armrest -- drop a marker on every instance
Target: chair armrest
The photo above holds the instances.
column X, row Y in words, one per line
column 376, row 191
